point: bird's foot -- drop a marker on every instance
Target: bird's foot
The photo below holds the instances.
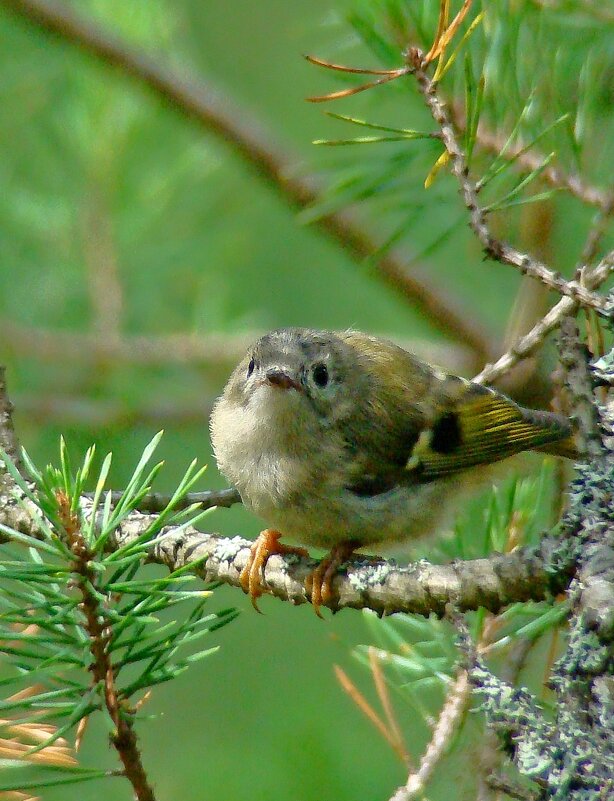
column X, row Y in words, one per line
column 319, row 582
column 252, row 575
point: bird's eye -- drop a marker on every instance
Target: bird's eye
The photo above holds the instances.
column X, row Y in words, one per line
column 250, row 367
column 320, row 374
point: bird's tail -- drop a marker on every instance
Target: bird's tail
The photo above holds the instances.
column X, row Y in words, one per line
column 566, row 446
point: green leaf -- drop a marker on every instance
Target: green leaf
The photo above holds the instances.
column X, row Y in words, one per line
column 535, row 628
column 90, row 526
column 502, row 163
column 78, row 775
column 504, row 202
column 370, row 140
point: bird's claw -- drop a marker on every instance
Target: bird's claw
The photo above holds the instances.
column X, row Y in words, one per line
column 251, row 577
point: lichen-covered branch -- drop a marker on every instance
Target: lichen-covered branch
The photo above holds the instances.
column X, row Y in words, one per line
column 590, row 520
column 386, row 588
column 11, row 513
column 8, row 438
column 572, row 757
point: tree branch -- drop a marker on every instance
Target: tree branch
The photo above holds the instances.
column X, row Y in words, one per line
column 365, row 583
column 494, row 248
column 8, row 438
column 256, row 147
column 200, row 349
column 384, row 587
column 529, row 161
column 527, row 344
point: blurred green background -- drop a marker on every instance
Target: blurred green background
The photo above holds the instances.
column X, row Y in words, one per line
column 121, row 217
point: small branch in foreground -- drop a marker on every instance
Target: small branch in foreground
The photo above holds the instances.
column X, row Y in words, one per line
column 256, row 146
column 494, row 248
column 452, row 711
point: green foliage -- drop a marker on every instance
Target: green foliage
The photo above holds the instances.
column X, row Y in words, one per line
column 509, row 80
column 67, row 602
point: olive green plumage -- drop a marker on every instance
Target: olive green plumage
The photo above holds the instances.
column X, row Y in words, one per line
column 336, row 436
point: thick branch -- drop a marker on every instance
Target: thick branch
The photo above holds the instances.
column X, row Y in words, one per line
column 256, row 146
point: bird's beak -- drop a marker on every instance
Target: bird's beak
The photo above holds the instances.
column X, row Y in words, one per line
column 276, row 377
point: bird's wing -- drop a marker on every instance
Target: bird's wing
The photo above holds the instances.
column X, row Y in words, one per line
column 481, row 426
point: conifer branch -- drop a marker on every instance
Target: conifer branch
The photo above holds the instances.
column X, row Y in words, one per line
column 494, row 248
column 529, row 161
column 99, row 631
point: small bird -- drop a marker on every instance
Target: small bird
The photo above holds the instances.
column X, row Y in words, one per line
column 342, row 440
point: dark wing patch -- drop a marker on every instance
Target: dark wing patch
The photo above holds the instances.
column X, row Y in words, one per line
column 447, row 435
column 483, row 427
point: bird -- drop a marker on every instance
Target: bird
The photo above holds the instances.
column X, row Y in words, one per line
column 342, row 440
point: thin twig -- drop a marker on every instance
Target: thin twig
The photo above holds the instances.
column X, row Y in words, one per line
column 530, row 160
column 154, row 502
column 527, row 344
column 452, row 711
column 598, row 228
column 494, row 248
column 256, row 146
